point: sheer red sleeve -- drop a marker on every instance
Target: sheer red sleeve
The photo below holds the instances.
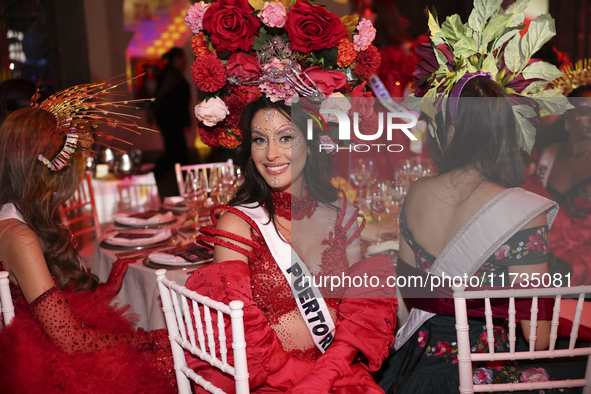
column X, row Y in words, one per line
column 54, row 315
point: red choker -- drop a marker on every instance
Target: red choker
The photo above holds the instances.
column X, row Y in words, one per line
column 289, row 207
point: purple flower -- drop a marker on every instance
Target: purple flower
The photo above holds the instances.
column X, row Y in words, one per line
column 482, row 376
column 535, row 375
column 428, row 65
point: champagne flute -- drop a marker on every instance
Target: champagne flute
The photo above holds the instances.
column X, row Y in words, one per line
column 194, row 195
column 377, row 202
column 397, row 193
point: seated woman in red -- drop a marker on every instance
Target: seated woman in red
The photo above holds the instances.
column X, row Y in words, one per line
column 286, row 222
column 64, row 336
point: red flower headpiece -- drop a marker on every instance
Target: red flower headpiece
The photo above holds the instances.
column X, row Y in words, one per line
column 282, row 49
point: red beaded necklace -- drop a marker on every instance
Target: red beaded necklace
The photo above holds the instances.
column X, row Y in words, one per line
column 289, row 207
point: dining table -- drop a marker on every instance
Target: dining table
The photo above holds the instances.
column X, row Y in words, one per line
column 140, row 289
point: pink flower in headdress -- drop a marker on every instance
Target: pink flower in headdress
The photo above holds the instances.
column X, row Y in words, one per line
column 212, row 111
column 273, row 14
column 366, row 35
column 194, row 16
column 277, row 91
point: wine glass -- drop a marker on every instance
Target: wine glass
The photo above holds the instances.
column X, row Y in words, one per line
column 397, row 193
column 378, row 203
column 361, row 172
column 195, row 189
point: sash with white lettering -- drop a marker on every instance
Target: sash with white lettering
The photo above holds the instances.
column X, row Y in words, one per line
column 383, row 96
column 546, row 163
column 499, row 219
column 310, row 302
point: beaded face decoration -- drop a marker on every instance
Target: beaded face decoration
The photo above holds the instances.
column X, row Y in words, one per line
column 80, row 111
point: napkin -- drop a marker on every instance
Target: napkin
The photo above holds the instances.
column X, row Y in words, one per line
column 155, row 236
column 133, row 221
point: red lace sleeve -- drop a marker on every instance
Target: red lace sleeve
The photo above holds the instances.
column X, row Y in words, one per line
column 54, row 315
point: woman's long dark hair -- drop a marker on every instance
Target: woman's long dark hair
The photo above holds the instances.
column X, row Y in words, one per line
column 485, row 136
column 37, row 192
column 316, row 171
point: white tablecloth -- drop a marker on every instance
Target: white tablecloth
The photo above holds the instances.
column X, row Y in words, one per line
column 139, row 289
column 112, row 194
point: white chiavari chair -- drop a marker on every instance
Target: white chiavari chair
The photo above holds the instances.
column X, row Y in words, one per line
column 5, row 298
column 466, row 357
column 182, row 323
column 207, row 169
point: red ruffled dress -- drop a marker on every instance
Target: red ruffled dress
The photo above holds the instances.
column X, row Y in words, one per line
column 74, row 342
column 277, row 360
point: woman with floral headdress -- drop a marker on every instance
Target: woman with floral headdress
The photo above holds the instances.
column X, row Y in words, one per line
column 286, row 221
column 64, row 336
column 472, row 219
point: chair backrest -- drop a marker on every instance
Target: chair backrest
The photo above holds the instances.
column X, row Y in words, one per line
column 207, row 168
column 138, row 197
column 79, row 211
column 5, row 298
column 182, row 325
column 465, row 355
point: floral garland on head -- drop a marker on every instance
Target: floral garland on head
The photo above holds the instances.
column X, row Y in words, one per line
column 489, row 43
column 284, row 49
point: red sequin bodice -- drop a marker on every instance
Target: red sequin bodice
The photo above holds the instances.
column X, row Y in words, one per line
column 270, row 289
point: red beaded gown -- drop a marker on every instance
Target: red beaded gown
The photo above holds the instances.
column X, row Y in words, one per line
column 281, row 354
column 74, row 342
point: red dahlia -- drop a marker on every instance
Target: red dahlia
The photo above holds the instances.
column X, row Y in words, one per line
column 209, row 136
column 367, row 62
column 209, row 73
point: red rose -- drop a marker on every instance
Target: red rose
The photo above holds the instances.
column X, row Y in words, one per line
column 247, row 93
column 239, row 63
column 326, row 80
column 231, row 25
column 358, row 91
column 311, row 27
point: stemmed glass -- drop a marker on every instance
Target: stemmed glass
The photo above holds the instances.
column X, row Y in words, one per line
column 378, row 202
column 361, row 172
column 397, row 193
column 223, row 185
column 195, row 190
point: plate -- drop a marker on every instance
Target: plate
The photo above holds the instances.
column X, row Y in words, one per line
column 150, row 264
column 175, row 208
column 105, row 245
column 188, row 255
column 142, row 220
column 136, row 238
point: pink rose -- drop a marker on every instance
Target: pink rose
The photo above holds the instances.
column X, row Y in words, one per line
column 502, row 252
column 535, row 375
column 211, row 111
column 366, row 35
column 273, row 14
column 239, row 63
column 327, row 81
column 194, row 16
